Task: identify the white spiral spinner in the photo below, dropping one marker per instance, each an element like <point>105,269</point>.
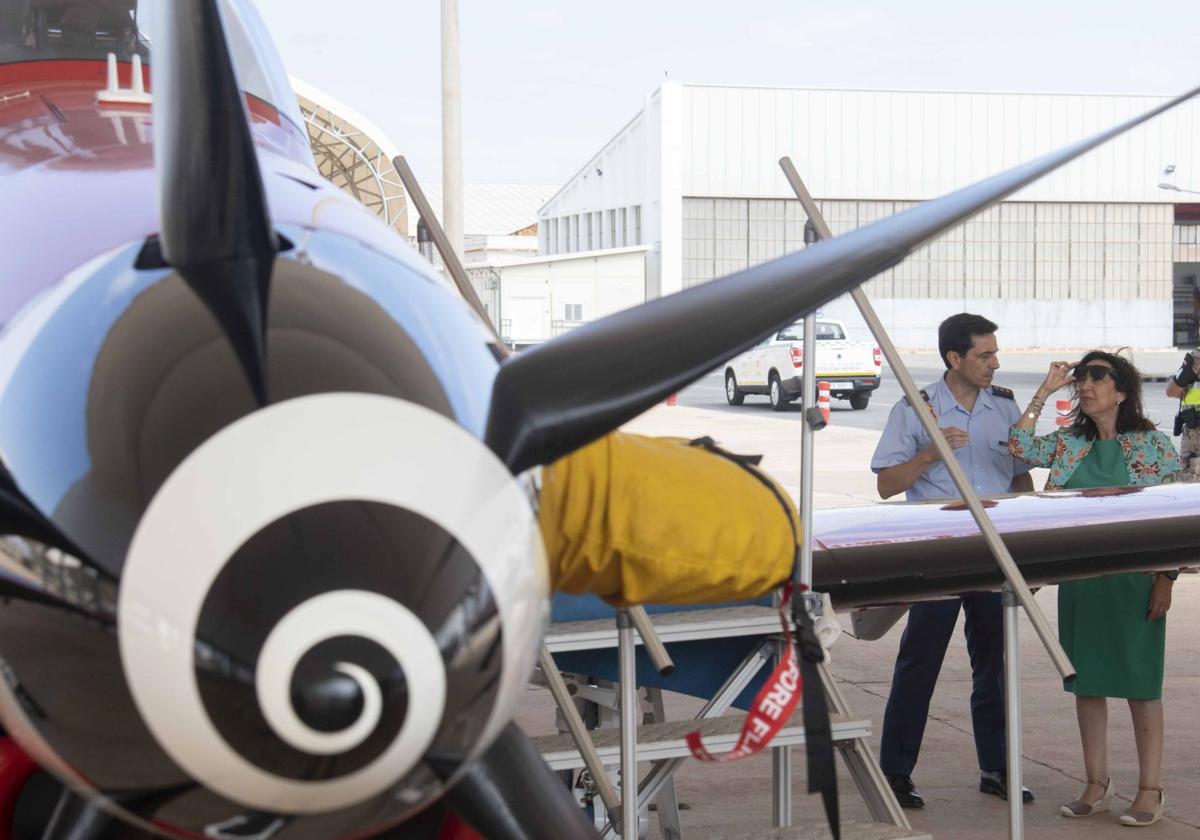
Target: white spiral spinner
<point>286,457</point>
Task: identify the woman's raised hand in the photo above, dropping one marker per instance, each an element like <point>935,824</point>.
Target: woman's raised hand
<point>1060,374</point>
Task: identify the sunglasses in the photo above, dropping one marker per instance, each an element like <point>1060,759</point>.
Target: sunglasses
<point>1096,372</point>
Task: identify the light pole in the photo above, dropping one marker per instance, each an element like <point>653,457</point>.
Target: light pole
<point>452,163</point>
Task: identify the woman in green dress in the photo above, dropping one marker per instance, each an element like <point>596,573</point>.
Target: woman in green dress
<point>1112,627</point>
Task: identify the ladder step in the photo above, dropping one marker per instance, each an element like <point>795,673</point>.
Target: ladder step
<point>686,626</point>
<point>850,831</point>
<point>657,741</point>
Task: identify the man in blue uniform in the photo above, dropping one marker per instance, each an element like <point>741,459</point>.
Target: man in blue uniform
<point>974,415</point>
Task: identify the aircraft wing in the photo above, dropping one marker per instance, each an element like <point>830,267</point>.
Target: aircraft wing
<point>900,552</point>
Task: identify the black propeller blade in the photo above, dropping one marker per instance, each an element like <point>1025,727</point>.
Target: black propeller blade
<point>554,398</point>
<point>510,794</point>
<point>216,230</point>
<point>19,517</point>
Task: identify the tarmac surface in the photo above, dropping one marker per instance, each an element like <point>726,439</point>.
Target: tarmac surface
<point>735,799</point>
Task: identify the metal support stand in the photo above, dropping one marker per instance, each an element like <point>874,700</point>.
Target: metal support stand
<point>667,800</point>
<point>446,248</point>
<point>781,757</point>
<point>629,721</point>
<point>575,724</point>
<point>663,771</point>
<point>781,790</point>
<point>1015,592</point>
<point>990,535</point>
<point>655,649</point>
<point>1012,711</point>
<point>861,762</point>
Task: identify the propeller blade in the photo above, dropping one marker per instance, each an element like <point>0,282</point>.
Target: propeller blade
<point>510,794</point>
<point>215,227</point>
<point>19,517</point>
<point>556,397</point>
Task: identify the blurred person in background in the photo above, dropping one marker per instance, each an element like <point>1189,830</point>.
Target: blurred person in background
<point>1185,386</point>
<point>1113,627</point>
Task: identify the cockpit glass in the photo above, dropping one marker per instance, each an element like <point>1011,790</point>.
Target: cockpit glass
<point>259,68</point>
<point>43,30</point>
<point>33,30</point>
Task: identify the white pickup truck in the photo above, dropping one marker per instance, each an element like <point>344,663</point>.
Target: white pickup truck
<point>773,366</point>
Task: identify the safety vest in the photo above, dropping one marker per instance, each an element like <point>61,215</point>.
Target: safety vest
<point>1192,397</point>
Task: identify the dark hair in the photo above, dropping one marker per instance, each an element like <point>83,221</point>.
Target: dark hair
<point>1129,413</point>
<point>957,334</point>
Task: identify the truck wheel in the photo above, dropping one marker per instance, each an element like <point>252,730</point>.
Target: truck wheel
<point>778,401</point>
<point>859,401</point>
<point>733,393</point>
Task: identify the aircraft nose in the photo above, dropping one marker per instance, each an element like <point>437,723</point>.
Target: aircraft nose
<point>330,702</point>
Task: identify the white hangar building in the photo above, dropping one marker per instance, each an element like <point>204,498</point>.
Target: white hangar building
<point>1102,252</point>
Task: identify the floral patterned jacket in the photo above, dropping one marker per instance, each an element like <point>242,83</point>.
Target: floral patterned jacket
<point>1149,456</point>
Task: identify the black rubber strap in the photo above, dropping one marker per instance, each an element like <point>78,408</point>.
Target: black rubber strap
<point>818,734</point>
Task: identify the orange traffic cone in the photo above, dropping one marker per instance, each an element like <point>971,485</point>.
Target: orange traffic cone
<point>823,400</point>
<point>1063,408</point>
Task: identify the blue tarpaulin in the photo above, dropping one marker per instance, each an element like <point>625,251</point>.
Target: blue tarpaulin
<point>701,667</point>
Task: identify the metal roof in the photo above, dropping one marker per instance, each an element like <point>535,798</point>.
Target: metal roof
<point>353,154</point>
<point>496,209</point>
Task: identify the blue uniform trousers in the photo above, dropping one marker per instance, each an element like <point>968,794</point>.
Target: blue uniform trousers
<point>922,649</point>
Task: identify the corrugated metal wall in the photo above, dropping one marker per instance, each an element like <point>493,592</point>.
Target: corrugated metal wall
<point>1019,250</point>
<point>915,145</point>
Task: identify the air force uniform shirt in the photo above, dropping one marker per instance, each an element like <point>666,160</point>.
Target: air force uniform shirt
<point>985,459</point>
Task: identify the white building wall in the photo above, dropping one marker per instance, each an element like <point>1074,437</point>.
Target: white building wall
<point>918,145</point>
<point>534,294</point>
<point>1052,273</point>
<point>1080,257</point>
<point>494,250</point>
<point>624,174</point>
<point>667,237</point>
<point>1023,323</point>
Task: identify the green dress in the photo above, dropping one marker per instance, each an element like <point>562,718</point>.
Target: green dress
<point>1102,621</point>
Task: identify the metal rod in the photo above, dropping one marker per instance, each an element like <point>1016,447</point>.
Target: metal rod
<point>579,733</point>
<point>650,640</point>
<point>667,801</point>
<point>1012,711</point>
<point>808,395</point>
<point>662,771</point>
<point>781,757</point>
<point>626,666</point>
<point>781,787</point>
<point>454,266</point>
<point>452,155</point>
<point>990,535</point>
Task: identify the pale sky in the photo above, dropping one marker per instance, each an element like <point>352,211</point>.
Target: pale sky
<point>546,85</point>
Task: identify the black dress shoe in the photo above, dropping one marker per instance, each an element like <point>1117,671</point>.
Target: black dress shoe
<point>906,791</point>
<point>995,782</point>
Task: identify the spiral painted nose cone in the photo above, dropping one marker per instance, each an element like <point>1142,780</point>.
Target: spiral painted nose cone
<point>328,704</point>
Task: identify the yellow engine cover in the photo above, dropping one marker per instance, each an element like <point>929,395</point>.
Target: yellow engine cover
<point>637,520</point>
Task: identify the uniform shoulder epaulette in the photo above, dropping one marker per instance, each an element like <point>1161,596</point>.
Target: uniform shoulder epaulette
<point>925,396</point>
<point>1003,392</point>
